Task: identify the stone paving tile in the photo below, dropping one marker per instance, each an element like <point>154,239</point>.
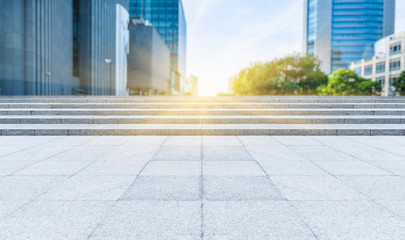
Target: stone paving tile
<point>54,220</point>
<point>355,168</point>
<point>253,220</point>
<point>154,220</point>
<point>360,220</point>
<point>26,187</point>
<point>69,141</point>
<point>89,188</point>
<point>107,141</point>
<point>399,150</point>
<point>11,167</point>
<point>376,141</point>
<point>232,168</point>
<point>8,207</point>
<point>6,150</point>
<point>335,141</point>
<point>397,207</point>
<point>31,140</point>
<point>34,154</point>
<point>130,153</point>
<point>53,168</point>
<point>397,168</point>
<point>274,153</point>
<point>280,168</point>
<point>306,188</point>
<point>221,141</point>
<point>368,153</point>
<point>259,141</point>
<point>226,153</point>
<point>237,199</point>
<point>172,168</point>
<point>164,188</point>
<point>296,141</point>
<point>178,153</point>
<point>183,140</point>
<point>145,140</point>
<point>321,153</point>
<point>238,188</point>
<point>397,139</point>
<point>113,168</point>
<point>378,187</point>
<point>83,153</point>
<point>10,140</point>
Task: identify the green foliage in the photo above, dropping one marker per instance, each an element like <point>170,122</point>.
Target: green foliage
<point>399,84</point>
<point>347,82</point>
<point>297,75</point>
<point>286,76</point>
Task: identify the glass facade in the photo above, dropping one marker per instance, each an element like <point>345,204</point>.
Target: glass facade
<point>311,26</point>
<point>356,26</point>
<point>167,17</point>
<point>343,31</point>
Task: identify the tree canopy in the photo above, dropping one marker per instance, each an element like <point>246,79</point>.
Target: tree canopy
<point>347,82</point>
<point>286,76</point>
<point>399,84</point>
<point>299,75</point>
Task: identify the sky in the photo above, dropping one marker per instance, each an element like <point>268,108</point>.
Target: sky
<point>225,36</point>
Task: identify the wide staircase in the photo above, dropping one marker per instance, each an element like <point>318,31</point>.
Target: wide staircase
<point>202,116</point>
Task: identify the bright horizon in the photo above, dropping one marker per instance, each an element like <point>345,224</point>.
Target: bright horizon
<point>225,36</point>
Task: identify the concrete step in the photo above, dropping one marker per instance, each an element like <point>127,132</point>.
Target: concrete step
<point>202,119</point>
<point>256,99</point>
<point>202,112</point>
<point>204,129</point>
<point>53,105</point>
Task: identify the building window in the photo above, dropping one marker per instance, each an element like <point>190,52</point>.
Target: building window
<point>381,80</point>
<point>395,65</point>
<point>392,79</point>
<point>380,67</point>
<point>395,49</point>
<point>368,70</point>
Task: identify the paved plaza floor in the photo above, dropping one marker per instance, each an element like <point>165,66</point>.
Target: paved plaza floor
<point>160,187</point>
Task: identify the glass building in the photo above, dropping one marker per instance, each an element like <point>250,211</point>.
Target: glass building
<point>50,47</point>
<point>167,17</point>
<point>343,31</point>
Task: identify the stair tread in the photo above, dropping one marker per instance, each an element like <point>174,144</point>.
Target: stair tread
<point>203,126</point>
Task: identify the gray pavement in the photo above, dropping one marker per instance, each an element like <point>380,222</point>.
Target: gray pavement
<point>194,187</point>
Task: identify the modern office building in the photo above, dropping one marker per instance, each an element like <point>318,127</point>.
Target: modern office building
<point>343,31</point>
<point>168,19</point>
<point>36,41</point>
<point>148,61</point>
<point>102,66</point>
<point>63,47</point>
<point>387,63</point>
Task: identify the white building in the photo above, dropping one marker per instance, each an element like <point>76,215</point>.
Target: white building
<point>386,65</point>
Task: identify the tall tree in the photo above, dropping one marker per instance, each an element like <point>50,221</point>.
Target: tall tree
<point>399,84</point>
<point>347,82</point>
<point>285,76</point>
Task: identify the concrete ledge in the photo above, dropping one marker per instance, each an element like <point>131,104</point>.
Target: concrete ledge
<point>209,129</point>
<point>203,120</point>
<point>200,112</point>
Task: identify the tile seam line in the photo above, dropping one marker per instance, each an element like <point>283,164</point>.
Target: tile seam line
<point>290,203</point>
<point>360,192</point>
<point>32,200</point>
<point>108,212</point>
<point>202,187</point>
